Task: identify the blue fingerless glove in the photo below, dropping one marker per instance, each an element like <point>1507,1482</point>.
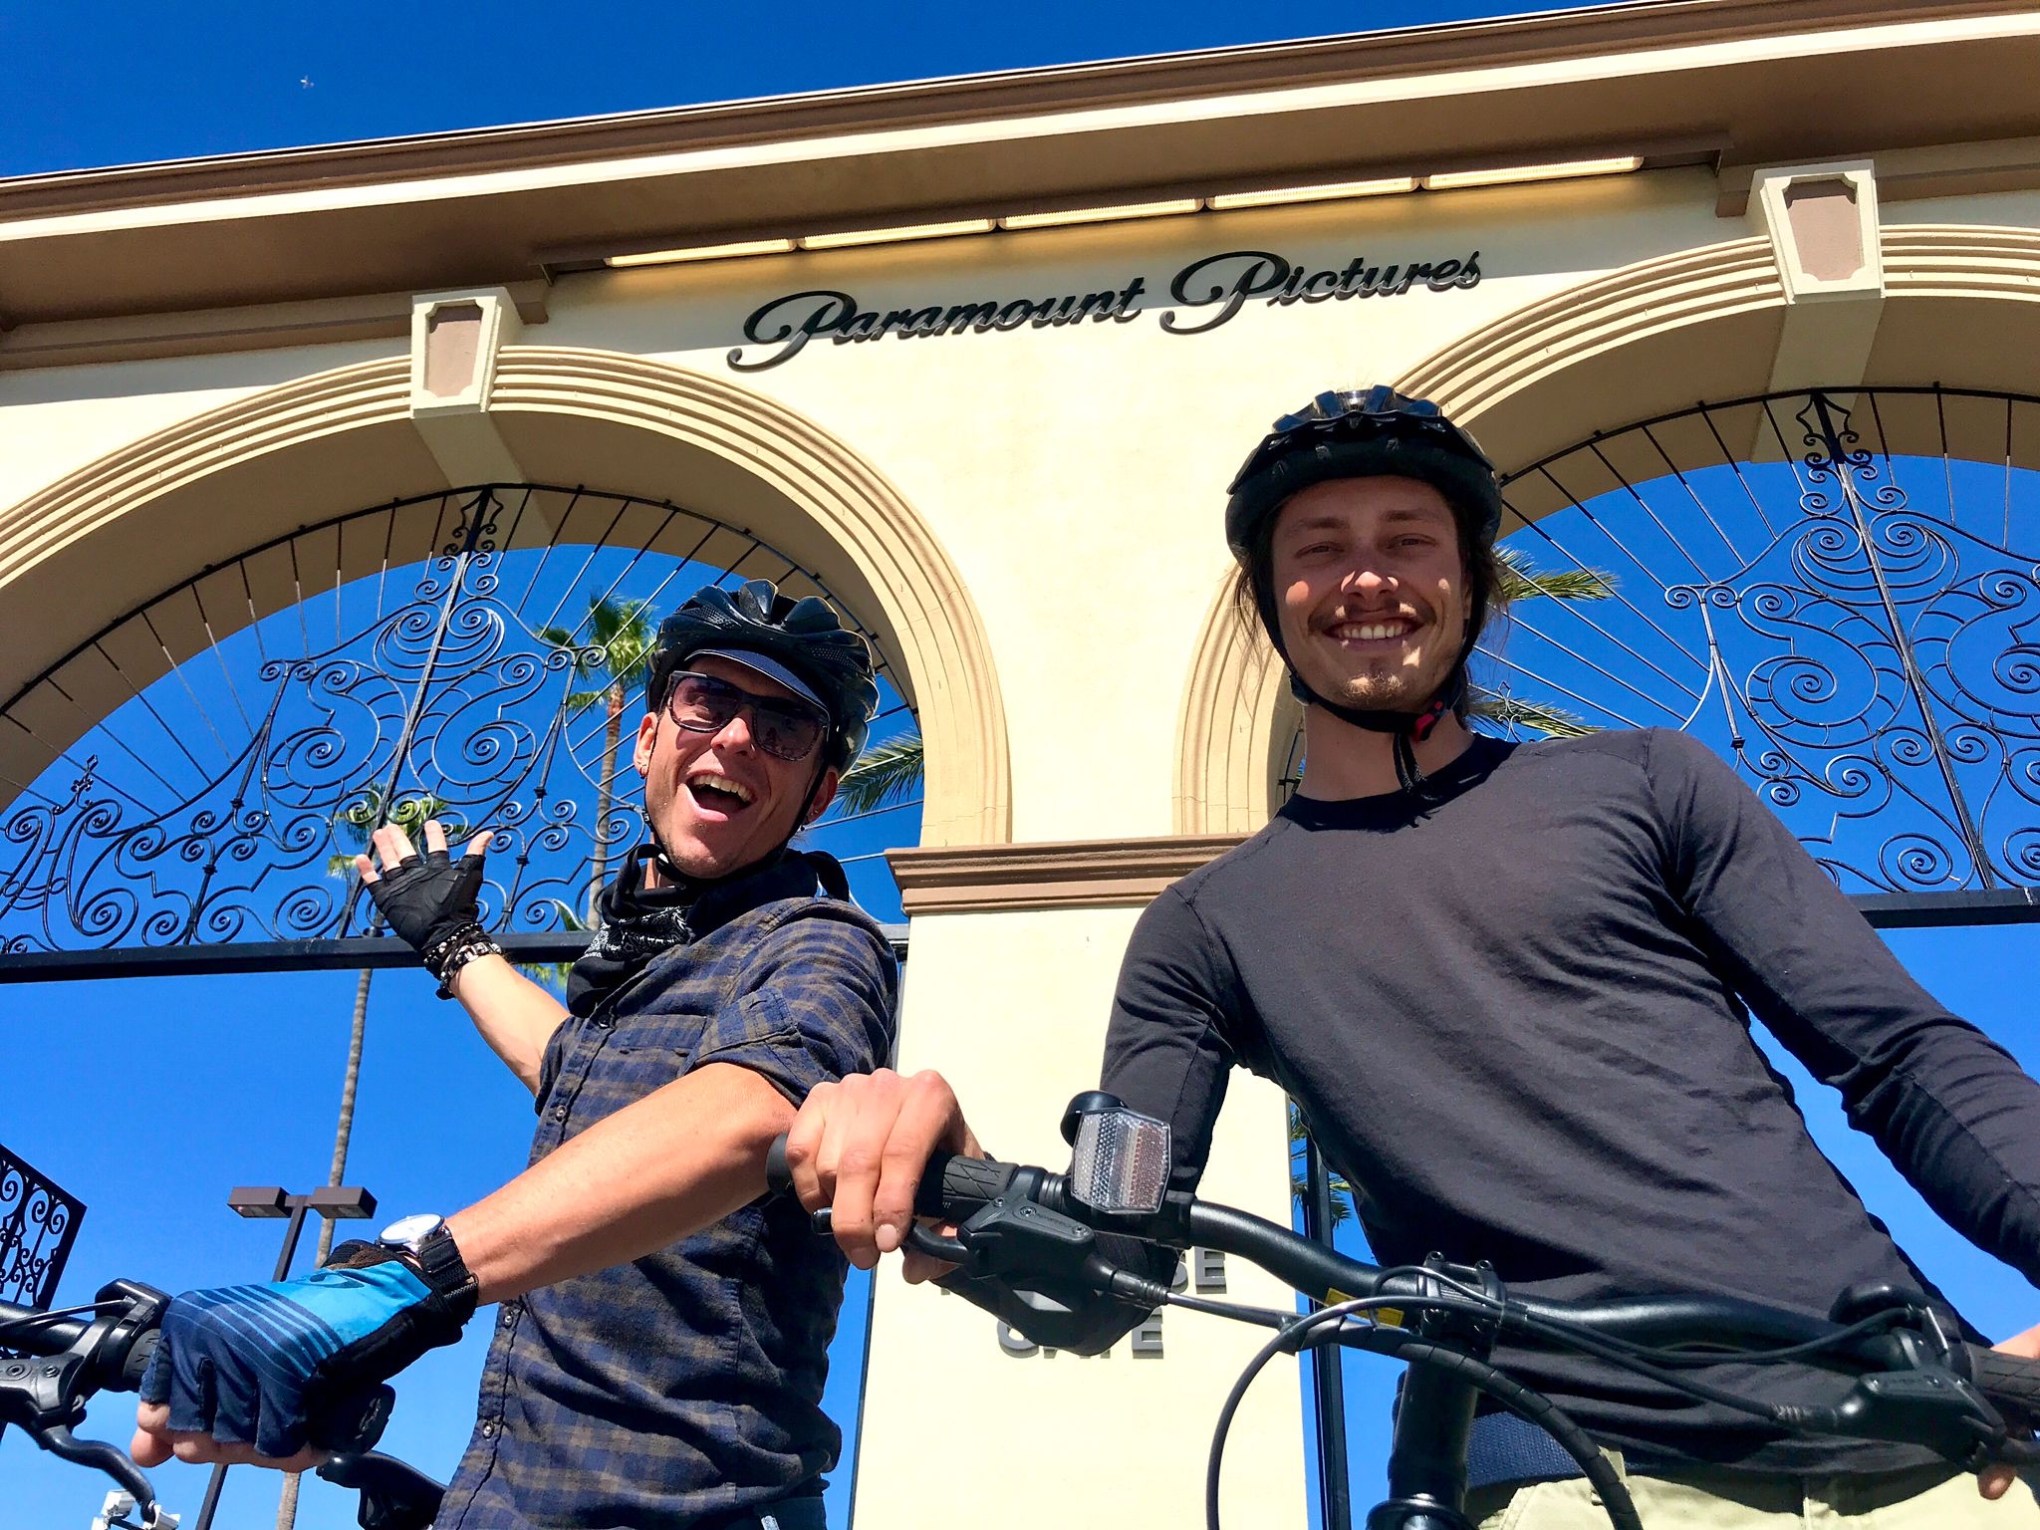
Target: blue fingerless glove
<point>265,1365</point>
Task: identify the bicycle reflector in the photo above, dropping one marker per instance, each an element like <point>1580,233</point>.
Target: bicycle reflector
<point>1120,1158</point>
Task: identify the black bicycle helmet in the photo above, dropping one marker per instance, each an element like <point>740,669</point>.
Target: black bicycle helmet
<point>803,635</point>
<point>1365,433</point>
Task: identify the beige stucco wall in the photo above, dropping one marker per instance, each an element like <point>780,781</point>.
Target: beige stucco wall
<point>1076,475</point>
<point>1012,1008</point>
<point>57,420</point>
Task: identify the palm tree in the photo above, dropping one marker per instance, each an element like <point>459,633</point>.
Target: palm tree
<point>1299,1189</point>
<point>355,823</point>
<point>618,648</point>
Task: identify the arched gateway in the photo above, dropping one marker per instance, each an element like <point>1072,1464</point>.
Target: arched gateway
<point>458,648</point>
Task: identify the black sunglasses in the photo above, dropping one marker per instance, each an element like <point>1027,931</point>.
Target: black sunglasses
<point>786,730</point>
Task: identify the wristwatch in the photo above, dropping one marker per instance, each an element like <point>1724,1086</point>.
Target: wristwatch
<point>429,1242</point>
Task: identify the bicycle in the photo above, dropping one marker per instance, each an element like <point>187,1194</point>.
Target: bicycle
<point>1032,1235</point>
<point>67,1354</point>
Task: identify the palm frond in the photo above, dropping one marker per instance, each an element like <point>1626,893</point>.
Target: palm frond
<point>1522,582</point>
<point>883,773</point>
<point>1515,712</point>
<point>1299,1187</point>
<point>1342,1196</point>
<point>356,822</point>
<point>619,642</point>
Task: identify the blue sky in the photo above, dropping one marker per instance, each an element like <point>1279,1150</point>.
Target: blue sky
<point>99,84</point>
<point>150,1099</point>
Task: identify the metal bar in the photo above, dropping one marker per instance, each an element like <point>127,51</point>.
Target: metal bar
<point>1335,1486</point>
<point>344,955</point>
<point>1910,390</point>
<point>218,1480</point>
<point>1516,621</point>
<point>1843,469</point>
<point>1735,467</point>
<point>211,1504</point>
<point>1943,911</point>
<point>1650,510</point>
<point>1883,911</point>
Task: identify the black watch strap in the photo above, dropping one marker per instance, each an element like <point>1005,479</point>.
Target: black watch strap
<point>437,1259</point>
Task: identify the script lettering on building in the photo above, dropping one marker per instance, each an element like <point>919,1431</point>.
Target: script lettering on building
<point>1206,294</point>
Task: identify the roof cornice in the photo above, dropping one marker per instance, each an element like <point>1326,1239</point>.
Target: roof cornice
<point>1746,81</point>
<point>1630,27</point>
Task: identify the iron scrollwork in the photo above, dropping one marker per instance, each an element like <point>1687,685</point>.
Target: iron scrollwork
<point>1890,678</point>
<point>38,1225</point>
<point>460,701</point>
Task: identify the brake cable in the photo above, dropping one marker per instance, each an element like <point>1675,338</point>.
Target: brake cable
<point>1328,1325</point>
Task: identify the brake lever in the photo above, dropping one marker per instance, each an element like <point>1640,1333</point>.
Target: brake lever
<point>58,1440</point>
<point>921,1238</point>
<point>394,1494</point>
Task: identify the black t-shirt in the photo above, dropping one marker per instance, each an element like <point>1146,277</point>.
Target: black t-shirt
<point>1517,1020</point>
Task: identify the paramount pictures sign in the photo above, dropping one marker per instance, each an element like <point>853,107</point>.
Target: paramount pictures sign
<point>1204,295</point>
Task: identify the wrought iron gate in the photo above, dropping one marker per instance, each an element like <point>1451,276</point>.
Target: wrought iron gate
<point>186,789</point>
<point>38,1224</point>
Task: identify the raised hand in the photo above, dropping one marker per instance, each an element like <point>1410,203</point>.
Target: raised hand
<point>424,899</point>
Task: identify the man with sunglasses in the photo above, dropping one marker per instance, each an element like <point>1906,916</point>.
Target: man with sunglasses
<point>1511,988</point>
<point>661,1345</point>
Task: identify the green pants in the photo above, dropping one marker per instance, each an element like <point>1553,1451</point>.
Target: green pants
<point>1927,1499</point>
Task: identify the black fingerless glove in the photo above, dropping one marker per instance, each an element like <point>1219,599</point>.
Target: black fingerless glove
<point>433,902</point>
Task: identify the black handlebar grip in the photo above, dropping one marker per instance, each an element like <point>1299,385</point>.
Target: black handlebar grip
<point>953,1187</point>
<point>139,1354</point>
<point>2010,1381</point>
<point>778,1177</point>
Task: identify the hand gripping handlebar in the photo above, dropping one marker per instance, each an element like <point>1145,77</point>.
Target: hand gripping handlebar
<point>952,1189</point>
<point>1914,1383</point>
<point>65,1358</point>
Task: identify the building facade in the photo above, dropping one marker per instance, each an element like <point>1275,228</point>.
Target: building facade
<point>979,356</point>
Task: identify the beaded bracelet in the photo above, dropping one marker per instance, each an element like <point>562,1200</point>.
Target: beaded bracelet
<point>444,958</point>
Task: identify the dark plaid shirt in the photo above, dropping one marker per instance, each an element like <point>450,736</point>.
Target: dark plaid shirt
<point>686,1384</point>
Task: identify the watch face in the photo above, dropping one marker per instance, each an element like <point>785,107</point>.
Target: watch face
<point>409,1232</point>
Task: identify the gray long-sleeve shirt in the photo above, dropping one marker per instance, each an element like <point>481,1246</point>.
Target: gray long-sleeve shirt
<point>1517,1021</point>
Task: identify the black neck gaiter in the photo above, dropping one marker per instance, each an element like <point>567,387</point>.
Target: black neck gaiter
<point>639,922</point>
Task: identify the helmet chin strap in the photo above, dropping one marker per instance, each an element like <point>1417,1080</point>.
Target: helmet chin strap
<point>1408,729</point>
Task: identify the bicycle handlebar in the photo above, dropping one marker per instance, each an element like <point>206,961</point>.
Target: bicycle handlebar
<point>70,1357</point>
<point>1022,1229</point>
